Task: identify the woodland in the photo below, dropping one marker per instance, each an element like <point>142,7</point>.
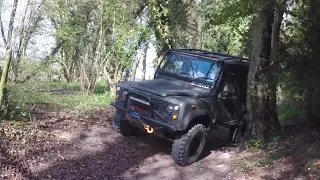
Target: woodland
<point>61,61</point>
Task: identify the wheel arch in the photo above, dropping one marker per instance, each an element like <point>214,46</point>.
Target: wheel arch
<point>203,119</point>
<point>196,117</point>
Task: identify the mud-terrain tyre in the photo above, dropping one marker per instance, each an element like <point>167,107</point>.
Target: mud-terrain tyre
<point>123,127</point>
<point>187,148</point>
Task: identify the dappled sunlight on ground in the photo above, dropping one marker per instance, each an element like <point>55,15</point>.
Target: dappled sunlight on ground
<point>292,158</point>
<point>67,146</point>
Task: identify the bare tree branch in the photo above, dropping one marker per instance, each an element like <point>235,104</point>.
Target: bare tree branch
<point>12,17</point>
<point>54,51</point>
<point>1,25</point>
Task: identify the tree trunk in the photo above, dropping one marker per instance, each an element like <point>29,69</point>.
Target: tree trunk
<point>315,108</point>
<point>114,77</point>
<point>113,83</point>
<point>262,114</point>
<point>66,74</point>
<point>312,38</point>
<point>8,57</point>
<point>4,76</point>
<point>53,51</point>
<point>144,62</point>
<point>275,65</point>
<point>134,70</point>
<point>309,94</point>
<point>312,104</point>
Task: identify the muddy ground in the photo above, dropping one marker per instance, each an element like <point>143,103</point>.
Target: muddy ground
<point>61,145</point>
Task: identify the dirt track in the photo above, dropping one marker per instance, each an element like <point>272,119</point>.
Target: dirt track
<point>98,152</point>
<point>64,146</point>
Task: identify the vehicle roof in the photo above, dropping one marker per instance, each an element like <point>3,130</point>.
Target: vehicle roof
<point>228,59</point>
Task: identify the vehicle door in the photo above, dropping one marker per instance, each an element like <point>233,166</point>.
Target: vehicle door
<point>229,106</point>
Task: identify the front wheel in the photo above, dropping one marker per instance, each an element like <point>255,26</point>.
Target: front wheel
<point>123,127</point>
<point>188,148</point>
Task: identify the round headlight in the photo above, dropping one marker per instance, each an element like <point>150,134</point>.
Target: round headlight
<point>169,109</point>
<point>118,88</point>
<point>124,93</point>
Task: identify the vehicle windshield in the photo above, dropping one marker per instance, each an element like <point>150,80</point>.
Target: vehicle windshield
<point>196,68</point>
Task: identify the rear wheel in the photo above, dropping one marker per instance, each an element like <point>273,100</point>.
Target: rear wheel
<point>188,148</point>
<point>123,127</point>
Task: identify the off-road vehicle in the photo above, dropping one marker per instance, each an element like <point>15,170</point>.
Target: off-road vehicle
<point>192,92</point>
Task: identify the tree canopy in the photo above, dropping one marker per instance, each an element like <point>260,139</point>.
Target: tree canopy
<point>99,40</point>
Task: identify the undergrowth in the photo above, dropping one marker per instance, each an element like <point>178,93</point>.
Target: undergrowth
<point>23,98</point>
<point>291,114</point>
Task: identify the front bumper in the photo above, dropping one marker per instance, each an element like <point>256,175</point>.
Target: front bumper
<point>148,121</point>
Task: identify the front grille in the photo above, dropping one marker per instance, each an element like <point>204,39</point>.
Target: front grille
<point>145,104</point>
<point>156,104</point>
<point>138,101</point>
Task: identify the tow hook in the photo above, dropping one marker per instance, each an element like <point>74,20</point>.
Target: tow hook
<point>149,129</point>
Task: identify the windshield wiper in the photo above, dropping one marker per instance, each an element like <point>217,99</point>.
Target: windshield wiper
<point>184,73</point>
<point>203,78</point>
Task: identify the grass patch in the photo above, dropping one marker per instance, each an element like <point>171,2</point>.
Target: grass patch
<point>53,97</point>
<point>255,144</point>
<point>101,88</point>
<point>57,86</point>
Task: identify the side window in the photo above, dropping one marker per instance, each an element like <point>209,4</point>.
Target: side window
<point>230,85</point>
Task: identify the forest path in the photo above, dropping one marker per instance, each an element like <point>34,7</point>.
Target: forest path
<point>64,146</point>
